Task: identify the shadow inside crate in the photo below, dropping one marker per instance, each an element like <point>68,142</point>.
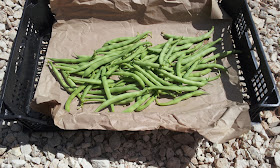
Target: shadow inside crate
<point>158,148</point>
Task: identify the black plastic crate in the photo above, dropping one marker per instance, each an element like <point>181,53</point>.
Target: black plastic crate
<point>30,47</point>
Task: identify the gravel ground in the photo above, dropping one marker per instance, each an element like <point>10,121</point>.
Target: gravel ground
<point>260,147</point>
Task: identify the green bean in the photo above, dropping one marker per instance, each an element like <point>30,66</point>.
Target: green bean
<point>153,65</point>
<point>149,57</point>
<point>208,45</point>
<point>114,90</point>
<point>179,65</point>
<point>143,55</point>
<point>159,79</point>
<point>191,69</point>
<point>90,81</point>
<point>152,60</point>
<point>181,80</point>
<point>182,47</point>
<point>131,57</point>
<point>184,97</point>
<point>125,101</point>
<point>197,79</point>
<point>137,78</point>
<point>68,80</point>
<point>178,54</point>
<point>119,98</point>
<point>67,65</point>
<point>88,88</point>
<point>189,64</point>
<point>137,104</point>
<point>121,44</point>
<point>73,61</point>
<point>122,48</point>
<point>106,87</point>
<point>138,68</point>
<point>117,40</point>
<point>190,39</point>
<point>64,68</point>
<point>144,106</point>
<point>163,51</point>
<point>219,55</point>
<point>94,100</point>
<point>113,69</point>
<point>198,55</point>
<point>166,57</point>
<point>72,96</point>
<point>204,66</point>
<point>98,64</point>
<point>174,88</point>
<point>214,78</point>
<point>154,50</point>
<point>83,56</point>
<point>201,73</point>
<point>60,78</point>
<point>144,79</point>
<point>95,96</point>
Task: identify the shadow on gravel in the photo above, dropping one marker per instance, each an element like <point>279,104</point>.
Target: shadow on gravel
<point>158,148</point>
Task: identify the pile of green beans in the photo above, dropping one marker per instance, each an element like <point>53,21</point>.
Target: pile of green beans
<point>129,70</point>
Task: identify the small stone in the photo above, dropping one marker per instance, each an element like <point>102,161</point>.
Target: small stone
<point>18,14</point>
<point>63,164</point>
<point>273,12</point>
<point>241,163</point>
<point>27,157</point>
<point>2,27</point>
<point>3,45</point>
<point>263,14</point>
<point>84,163</point>
<point>253,163</point>
<point>35,151</point>
<point>188,151</point>
<point>200,158</point>
<point>73,163</point>
<point>218,148</point>
<point>18,163</point>
<point>273,121</point>
<point>184,138</point>
<point>16,151</point>
<point>274,57</point>
<point>173,163</point>
<point>55,141</point>
<point>146,138</point>
<point>115,141</point>
<point>100,163</point>
<point>277,158</point>
<point>3,165</point>
<point>36,160</point>
<point>273,131</point>
<point>26,149</point>
<point>60,156</point>
<point>162,152</point>
<point>258,141</point>
<point>255,153</point>
<point>209,160</point>
<point>194,161</point>
<point>169,153</point>
<point>54,163</point>
<point>95,152</point>
<point>80,152</point>
<point>86,145</point>
<point>270,152</point>
<point>99,138</point>
<point>145,152</point>
<point>2,149</point>
<point>221,163</point>
<point>3,16</point>
<point>267,114</point>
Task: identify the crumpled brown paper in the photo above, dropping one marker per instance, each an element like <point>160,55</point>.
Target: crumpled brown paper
<point>84,25</point>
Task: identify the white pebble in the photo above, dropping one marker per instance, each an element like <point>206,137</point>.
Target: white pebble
<point>2,27</point>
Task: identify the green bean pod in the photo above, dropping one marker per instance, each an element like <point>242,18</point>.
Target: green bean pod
<point>137,104</point>
<point>184,97</point>
<point>119,98</point>
<point>144,106</point>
